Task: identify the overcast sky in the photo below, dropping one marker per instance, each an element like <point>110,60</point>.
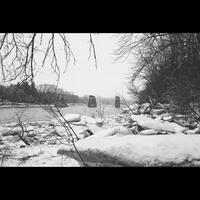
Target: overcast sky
<point>83,78</point>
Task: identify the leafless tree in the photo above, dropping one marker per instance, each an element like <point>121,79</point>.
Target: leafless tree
<point>151,48</point>
<point>19,52</point>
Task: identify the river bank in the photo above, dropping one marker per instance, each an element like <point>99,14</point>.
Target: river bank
<point>133,137</point>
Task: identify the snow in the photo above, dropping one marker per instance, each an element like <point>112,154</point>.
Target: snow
<point>43,156</point>
<point>138,150</point>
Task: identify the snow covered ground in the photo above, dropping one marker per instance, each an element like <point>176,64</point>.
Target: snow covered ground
<point>156,139</point>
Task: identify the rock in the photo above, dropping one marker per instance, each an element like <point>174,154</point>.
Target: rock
<point>51,124</point>
<point>30,128</point>
<point>99,122</point>
<point>1,140</point>
<point>158,111</point>
<point>81,131</point>
<point>189,132</point>
<point>159,106</point>
<point>52,142</point>
<point>11,125</point>
<point>132,109</point>
<point>4,130</point>
<point>149,132</point>
<point>89,132</point>
<point>197,130</point>
<point>149,123</point>
<point>178,116</point>
<point>85,133</point>
<point>9,132</point>
<point>134,130</point>
<point>194,131</point>
<point>127,124</point>
<point>44,126</point>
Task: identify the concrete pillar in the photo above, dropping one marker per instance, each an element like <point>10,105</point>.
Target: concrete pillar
<point>117,102</point>
<point>92,103</point>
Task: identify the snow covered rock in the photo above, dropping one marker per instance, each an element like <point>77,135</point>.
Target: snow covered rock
<point>99,122</point>
<point>80,131</point>
<point>167,118</point>
<point>149,132</point>
<point>11,131</point>
<point>88,120</point>
<point>4,131</point>
<point>72,117</point>
<point>85,133</point>
<point>158,111</point>
<point>117,130</point>
<point>138,150</point>
<point>194,131</point>
<point>158,117</point>
<point>179,116</point>
<point>122,131</point>
<point>149,123</point>
<point>60,131</point>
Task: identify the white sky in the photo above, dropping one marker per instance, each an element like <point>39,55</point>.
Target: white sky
<point>108,80</point>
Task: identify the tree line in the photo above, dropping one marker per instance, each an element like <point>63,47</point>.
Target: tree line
<point>42,94</point>
<point>168,64</point>
<point>26,92</point>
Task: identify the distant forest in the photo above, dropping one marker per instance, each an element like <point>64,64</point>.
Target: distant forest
<point>42,94</point>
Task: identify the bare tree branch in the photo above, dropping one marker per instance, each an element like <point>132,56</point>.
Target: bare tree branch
<point>69,130</point>
<point>19,62</point>
<point>92,49</point>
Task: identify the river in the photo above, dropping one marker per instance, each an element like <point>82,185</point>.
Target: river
<point>9,114</point>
